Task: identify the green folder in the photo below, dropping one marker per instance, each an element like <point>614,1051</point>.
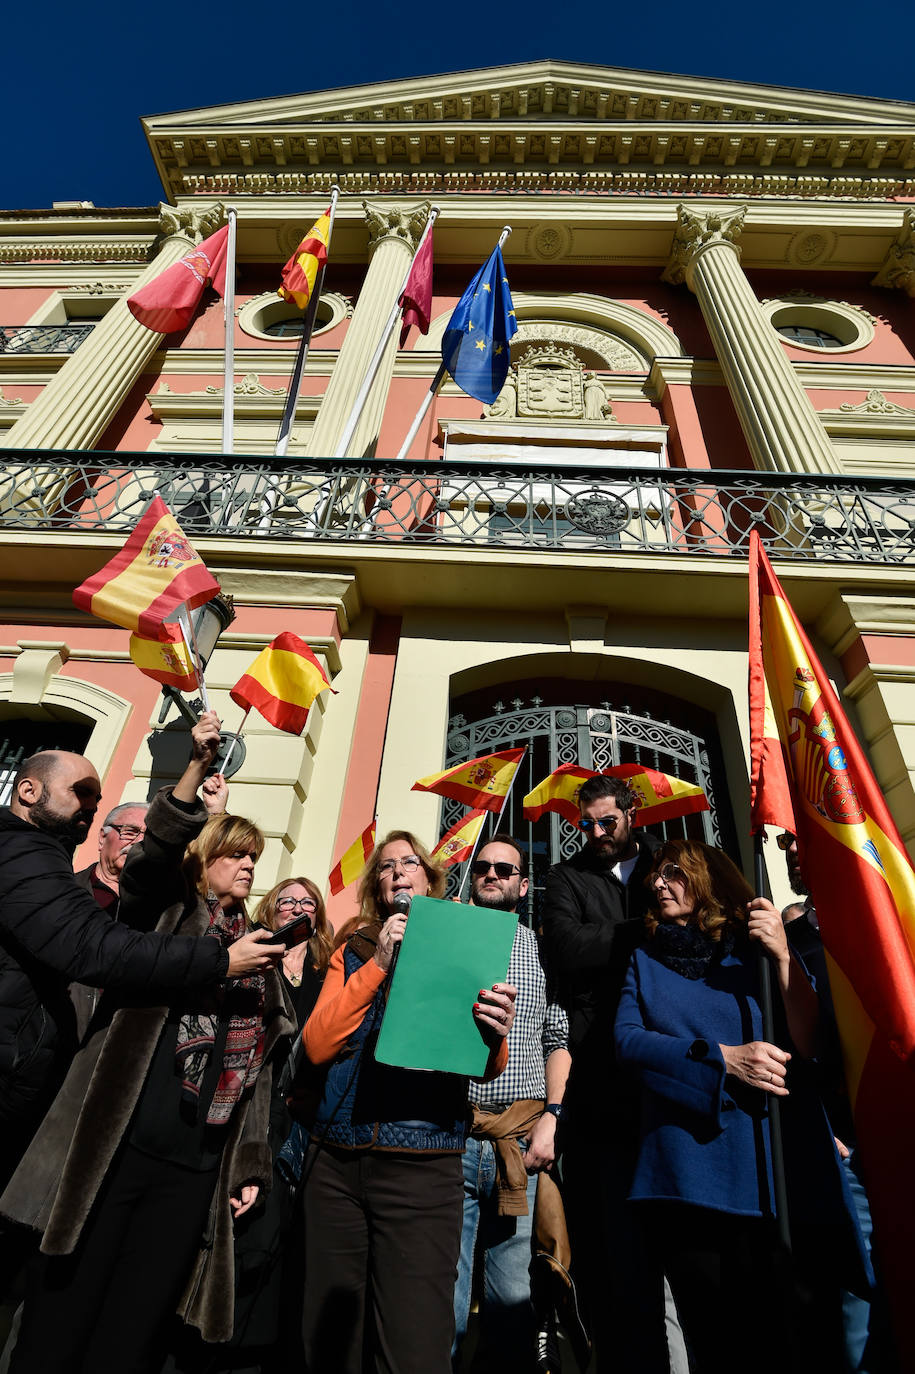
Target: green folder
<point>449,952</point>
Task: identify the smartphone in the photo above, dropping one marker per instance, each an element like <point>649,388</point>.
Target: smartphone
<point>286,936</point>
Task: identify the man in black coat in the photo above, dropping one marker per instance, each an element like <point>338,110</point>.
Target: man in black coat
<point>52,932</point>
<point>593,912</point>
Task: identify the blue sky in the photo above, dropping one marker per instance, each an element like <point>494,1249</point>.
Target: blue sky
<point>73,100</point>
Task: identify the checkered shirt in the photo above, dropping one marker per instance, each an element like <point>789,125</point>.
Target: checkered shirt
<point>541,1026</point>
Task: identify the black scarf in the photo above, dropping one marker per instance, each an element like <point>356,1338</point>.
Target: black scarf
<point>687,949</point>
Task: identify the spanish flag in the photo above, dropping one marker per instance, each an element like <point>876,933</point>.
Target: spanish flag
<point>811,777</point>
<point>483,782</point>
<point>155,571</point>
<point>659,796</point>
<point>281,683</point>
<point>459,840</point>
<point>353,860</point>
<point>301,270</point>
<point>169,661</point>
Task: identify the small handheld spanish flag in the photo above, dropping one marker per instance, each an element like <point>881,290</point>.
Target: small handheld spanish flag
<point>459,840</point>
<point>482,782</point>
<point>150,577</point>
<point>169,662</point>
<point>281,683</point>
<point>301,271</point>
<point>353,860</point>
<point>659,796</point>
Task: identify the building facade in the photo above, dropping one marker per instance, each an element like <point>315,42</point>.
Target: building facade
<point>712,283</point>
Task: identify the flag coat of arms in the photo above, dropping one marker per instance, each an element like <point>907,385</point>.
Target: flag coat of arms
<point>167,661</point>
<point>475,345</point>
<point>150,577</point>
<point>168,302</point>
<point>353,860</point>
<point>459,840</point>
<point>301,271</point>
<point>810,776</point>
<point>480,783</point>
<point>281,683</point>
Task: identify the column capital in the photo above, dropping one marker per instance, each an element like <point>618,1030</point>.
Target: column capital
<point>697,231</point>
<point>392,222</point>
<point>190,222</point>
<point>898,269</point>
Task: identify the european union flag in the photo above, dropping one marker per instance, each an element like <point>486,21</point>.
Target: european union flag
<point>475,346</point>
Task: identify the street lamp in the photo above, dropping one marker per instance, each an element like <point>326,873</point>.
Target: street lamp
<point>209,621</point>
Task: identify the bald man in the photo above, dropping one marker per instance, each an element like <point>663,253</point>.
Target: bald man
<point>52,932</point>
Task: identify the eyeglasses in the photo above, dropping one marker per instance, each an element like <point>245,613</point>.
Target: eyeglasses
<point>671,873</point>
<point>607,823</point>
<point>409,864</point>
<point>785,840</point>
<point>290,904</point>
<point>480,868</point>
<point>126,832</point>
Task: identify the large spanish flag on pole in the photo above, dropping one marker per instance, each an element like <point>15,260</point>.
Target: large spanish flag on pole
<point>482,782</point>
<point>154,573</point>
<point>353,860</point>
<point>810,776</point>
<point>301,271</point>
<point>659,796</point>
<point>460,840</point>
<point>281,683</point>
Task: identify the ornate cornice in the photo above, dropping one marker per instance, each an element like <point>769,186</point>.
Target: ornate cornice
<point>74,250</point>
<point>698,231</point>
<point>898,268</point>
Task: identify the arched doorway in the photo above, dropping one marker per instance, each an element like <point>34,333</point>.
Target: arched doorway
<point>596,725</point>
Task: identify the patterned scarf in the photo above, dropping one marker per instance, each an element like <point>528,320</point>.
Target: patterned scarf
<point>244,1051</point>
<point>687,949</point>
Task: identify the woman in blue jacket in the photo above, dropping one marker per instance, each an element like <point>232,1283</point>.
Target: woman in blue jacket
<point>690,1027</point>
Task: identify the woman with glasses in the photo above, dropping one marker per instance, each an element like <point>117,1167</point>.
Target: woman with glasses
<point>689,1026</point>
<point>383,1183</point>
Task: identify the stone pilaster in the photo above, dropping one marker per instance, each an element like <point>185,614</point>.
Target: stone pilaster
<point>393,238</point>
<point>898,270</point>
<point>79,402</point>
<point>778,421</point>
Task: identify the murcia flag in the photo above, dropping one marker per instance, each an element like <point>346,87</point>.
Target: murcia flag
<point>281,683</point>
<point>459,840</point>
<point>482,782</point>
<point>301,271</point>
<point>168,302</point>
<point>167,661</point>
<point>155,571</point>
<point>353,860</point>
<point>416,297</point>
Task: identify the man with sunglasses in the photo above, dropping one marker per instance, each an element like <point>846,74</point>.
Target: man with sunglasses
<point>593,911</point>
<point>513,1132</point>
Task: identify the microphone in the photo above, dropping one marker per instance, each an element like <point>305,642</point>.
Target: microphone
<point>399,907</point>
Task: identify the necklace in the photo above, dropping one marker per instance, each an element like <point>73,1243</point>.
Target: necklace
<point>295,978</point>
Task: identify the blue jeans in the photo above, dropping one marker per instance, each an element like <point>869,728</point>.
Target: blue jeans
<point>506,1315</point>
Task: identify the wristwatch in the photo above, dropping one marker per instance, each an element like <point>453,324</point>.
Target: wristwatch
<point>554,1109</point>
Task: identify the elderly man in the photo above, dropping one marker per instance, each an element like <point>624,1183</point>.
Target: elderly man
<point>592,920</point>
<point>121,828</point>
<point>514,1123</point>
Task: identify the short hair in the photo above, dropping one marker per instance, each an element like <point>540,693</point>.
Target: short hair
<point>221,835</point>
<point>321,944</point>
<point>503,837</point>
<point>41,767</point>
<point>119,810</point>
<point>799,907</point>
<point>716,885</point>
<point>617,789</point>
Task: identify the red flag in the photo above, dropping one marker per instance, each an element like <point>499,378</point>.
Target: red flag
<point>811,777</point>
<point>281,683</point>
<point>168,302</point>
<point>416,297</point>
<point>482,782</point>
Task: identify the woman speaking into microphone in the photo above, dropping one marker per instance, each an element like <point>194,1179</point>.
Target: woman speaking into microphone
<point>383,1183</point>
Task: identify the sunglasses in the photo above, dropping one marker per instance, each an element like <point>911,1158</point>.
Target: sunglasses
<point>480,868</point>
<point>671,873</point>
<point>785,840</point>
<point>607,823</point>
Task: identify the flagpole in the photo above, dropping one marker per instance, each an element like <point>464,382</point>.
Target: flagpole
<point>476,846</point>
<point>228,758</point>
<point>436,383</point>
<point>372,370</point>
<point>190,639</point>
<point>228,304</point>
<point>768,1029</point>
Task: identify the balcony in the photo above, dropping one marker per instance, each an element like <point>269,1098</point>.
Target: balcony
<point>467,504</point>
<point>43,338</point>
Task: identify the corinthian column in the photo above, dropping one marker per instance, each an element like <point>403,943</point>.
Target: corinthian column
<point>778,421</point>
<point>898,269</point>
<point>393,238</point>
<point>79,402</point>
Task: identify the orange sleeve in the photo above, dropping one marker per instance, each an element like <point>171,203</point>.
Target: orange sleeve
<point>497,1062</point>
<point>340,1008</point>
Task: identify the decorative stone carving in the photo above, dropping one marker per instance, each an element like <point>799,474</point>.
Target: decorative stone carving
<point>191,222</point>
<point>391,222</point>
<point>549,242</point>
<point>251,385</point>
<point>597,407</point>
<point>810,247</point>
<point>549,383</point>
<point>875,403</point>
<point>898,268</point>
<point>615,356</point>
<point>505,406</point>
<point>697,231</point>
<point>9,400</point>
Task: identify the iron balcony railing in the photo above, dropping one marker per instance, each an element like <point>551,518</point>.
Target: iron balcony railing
<point>497,506</point>
<point>43,338</point>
